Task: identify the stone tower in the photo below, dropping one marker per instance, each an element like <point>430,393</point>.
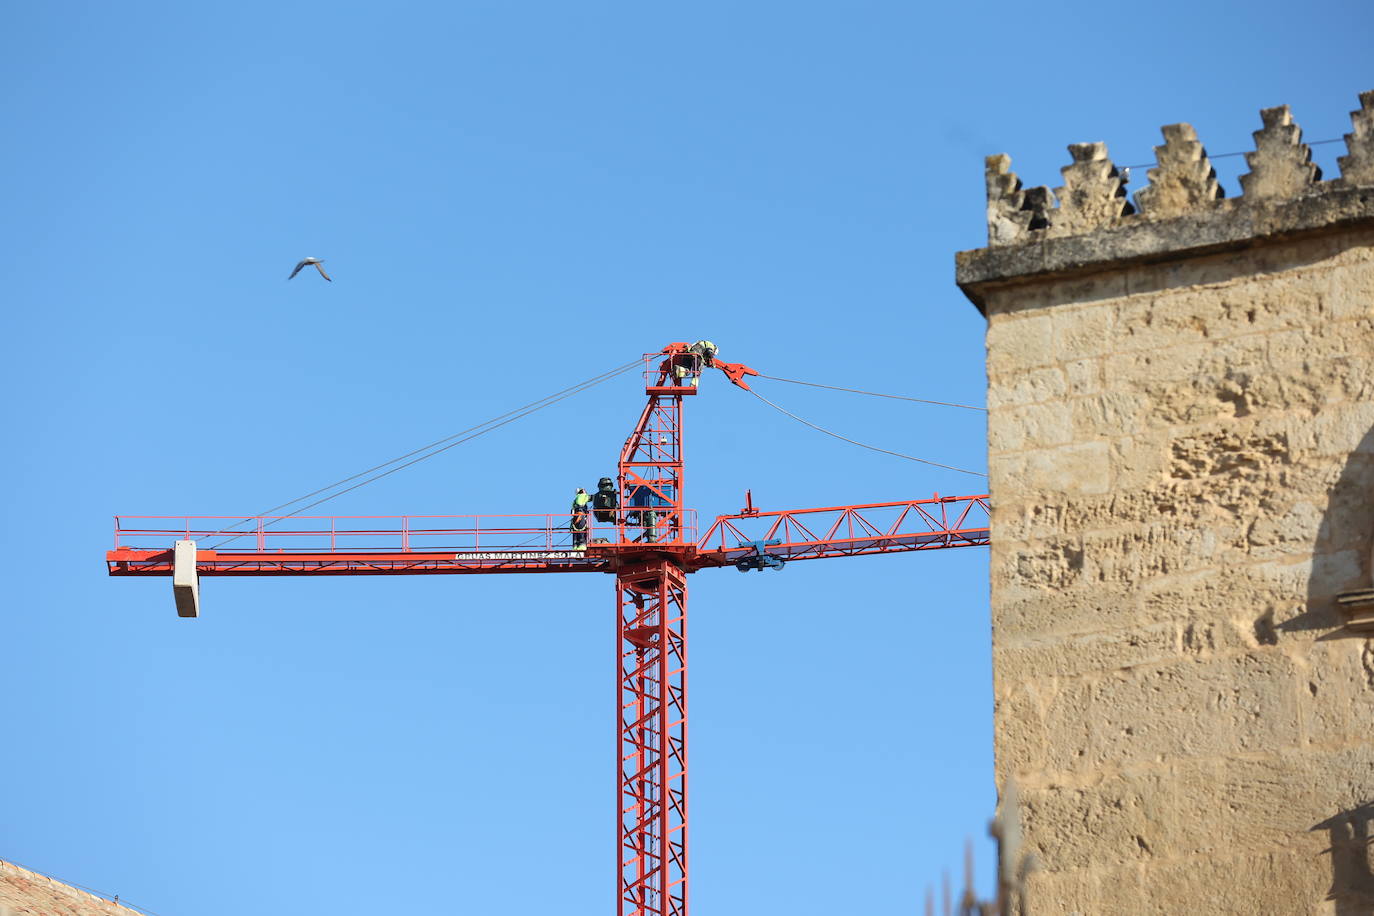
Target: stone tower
<point>1181,456</point>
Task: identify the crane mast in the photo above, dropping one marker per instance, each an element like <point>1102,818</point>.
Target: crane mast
<point>651,632</point>
<point>649,543</point>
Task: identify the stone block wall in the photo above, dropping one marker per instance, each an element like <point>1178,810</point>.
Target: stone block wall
<point>1181,459</point>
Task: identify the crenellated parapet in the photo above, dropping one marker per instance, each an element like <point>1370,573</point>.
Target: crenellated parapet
<point>1183,180</point>
<point>1093,195</point>
<point>1091,221</point>
<point>1281,165</point>
<point>1357,168</point>
<point>1012,212</point>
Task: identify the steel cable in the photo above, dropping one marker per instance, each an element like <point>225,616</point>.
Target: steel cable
<point>1155,162</point>
<point>948,467</point>
<point>479,430</point>
<point>897,397</point>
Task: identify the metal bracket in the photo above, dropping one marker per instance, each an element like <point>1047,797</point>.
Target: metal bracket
<point>760,559</point>
<point>736,372</point>
<point>1358,607</point>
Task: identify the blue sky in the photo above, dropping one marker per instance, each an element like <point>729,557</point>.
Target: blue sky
<point>512,197</point>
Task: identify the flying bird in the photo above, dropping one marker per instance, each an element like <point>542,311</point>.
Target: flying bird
<point>309,262</point>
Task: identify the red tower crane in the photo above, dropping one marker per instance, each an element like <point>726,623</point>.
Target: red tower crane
<point>649,543</point>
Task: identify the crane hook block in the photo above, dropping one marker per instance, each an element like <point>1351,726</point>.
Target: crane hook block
<point>736,372</point>
<point>760,559</point>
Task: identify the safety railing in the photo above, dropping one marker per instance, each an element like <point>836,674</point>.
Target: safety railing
<point>680,369</point>
<point>397,533</point>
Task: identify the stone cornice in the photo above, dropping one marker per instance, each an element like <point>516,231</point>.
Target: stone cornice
<point>1226,226</point>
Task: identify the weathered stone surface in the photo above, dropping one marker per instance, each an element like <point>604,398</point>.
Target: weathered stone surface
<point>1070,655</point>
<point>1202,836</point>
<point>1357,167</point>
<point>1181,430</point>
<point>23,891</point>
<point>1184,179</point>
<point>1199,707</point>
<point>1340,689</point>
<point>1012,212</point>
<point>1034,387</point>
<point>1093,194</point>
<point>1023,750</point>
<point>1281,165</point>
<point>1034,426</point>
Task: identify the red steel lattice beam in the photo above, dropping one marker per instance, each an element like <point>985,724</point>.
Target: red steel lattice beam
<point>652,685</point>
<point>847,531</point>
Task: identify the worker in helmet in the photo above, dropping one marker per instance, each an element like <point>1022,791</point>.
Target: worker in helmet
<point>606,501</point>
<point>706,350</point>
<point>581,508</point>
<point>578,527</point>
<point>581,501</point>
<point>687,368</point>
